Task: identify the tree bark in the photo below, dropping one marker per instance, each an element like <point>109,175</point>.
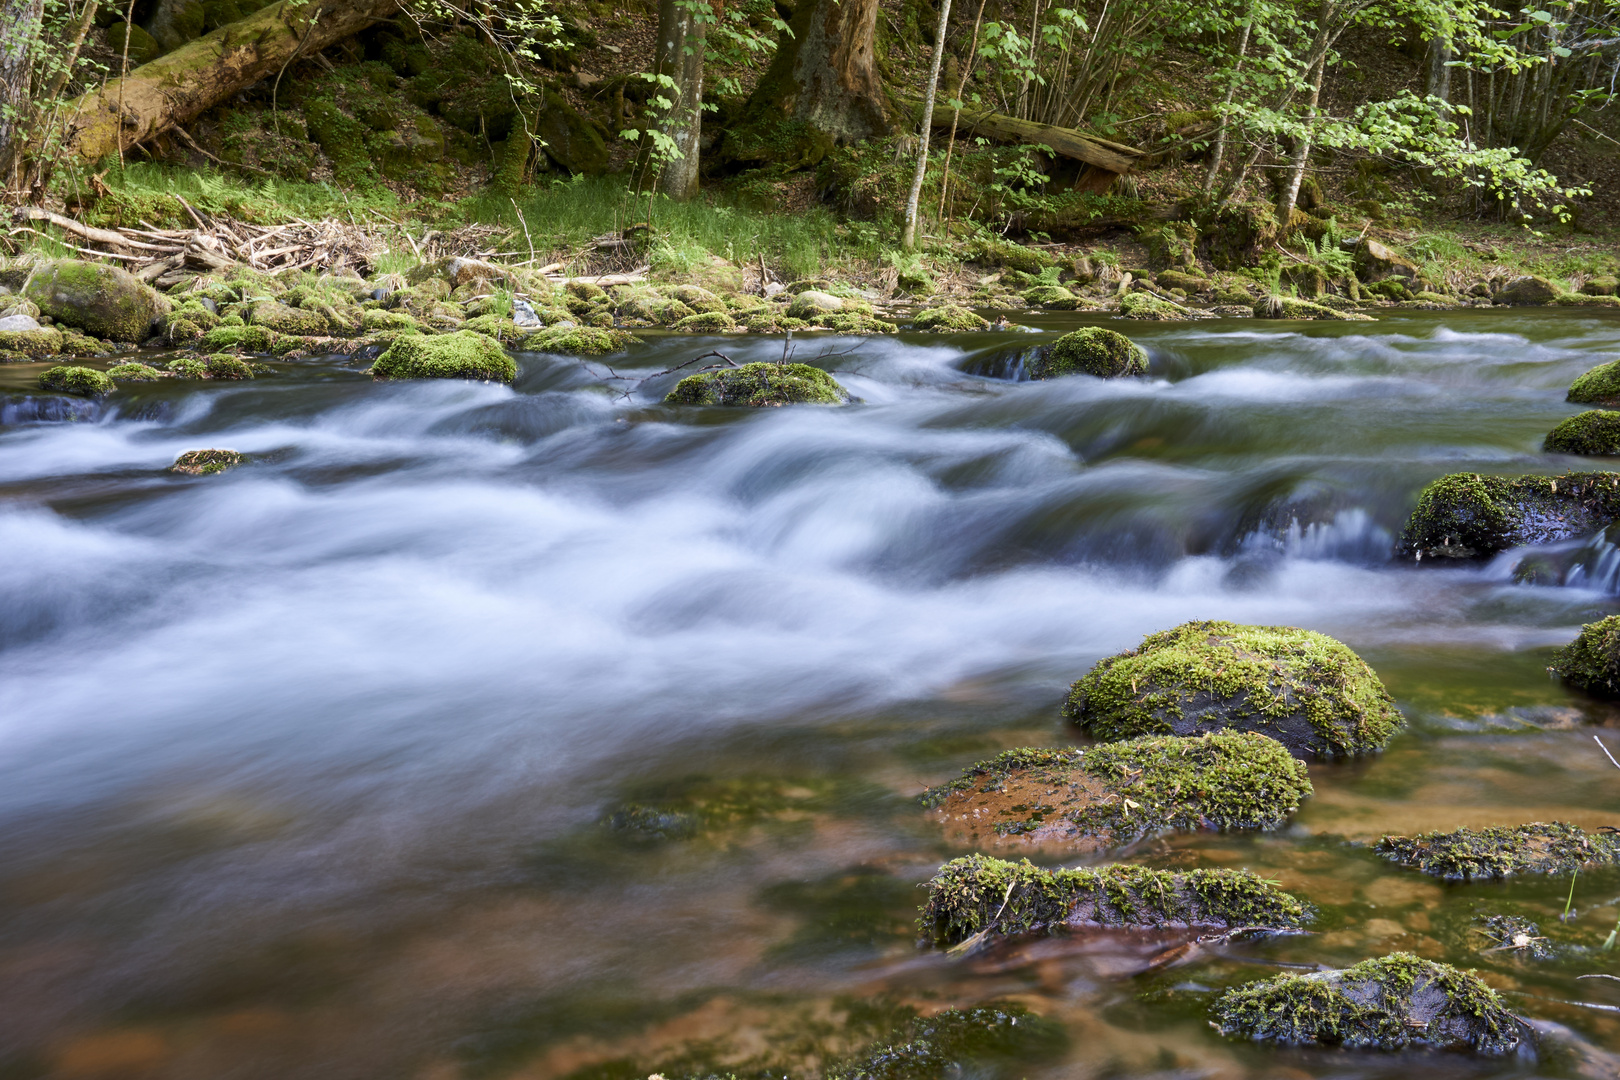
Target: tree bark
<point>1326,34</point>
<point>908,237</point>
<point>825,74</point>
<point>1218,153</point>
<point>1111,157</point>
<point>21,20</point>
<point>175,89</point>
<point>679,55</point>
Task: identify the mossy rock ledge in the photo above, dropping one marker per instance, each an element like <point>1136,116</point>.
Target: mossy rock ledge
<point>461,355</point>
<point>1502,851</point>
<point>759,386</point>
<point>983,895</point>
<point>1600,386</point>
<point>1114,794</point>
<point>1306,690</point>
<point>1389,1003</point>
<point>1092,350</point>
<point>1592,661</point>
<point>1595,432</point>
<point>1474,516</point>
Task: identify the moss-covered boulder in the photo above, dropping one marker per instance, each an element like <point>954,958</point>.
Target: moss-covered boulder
<point>1012,256</point>
<point>1528,291</point>
<point>251,339</point>
<point>461,355</point>
<point>228,367</point>
<point>1304,689</point>
<point>1391,1003</point>
<point>982,895</point>
<point>812,304</point>
<point>949,318</point>
<point>24,342</point>
<point>281,319</point>
<point>1502,851</point>
<point>133,372</point>
<point>578,340</point>
<point>1595,432</point>
<point>1150,308</point>
<point>1375,262</point>
<point>1602,285</point>
<point>1288,307</point>
<point>1050,297</point>
<point>1091,350</point>
<point>759,385</point>
<point>1181,279</point>
<point>1592,661</point>
<point>655,309</point>
<point>1115,794</point>
<point>78,381</point>
<point>698,298</point>
<point>205,462</point>
<point>378,321</point>
<point>1474,516</point>
<point>105,301</point>
<point>709,322</point>
<point>956,1042</point>
<point>1600,386</point>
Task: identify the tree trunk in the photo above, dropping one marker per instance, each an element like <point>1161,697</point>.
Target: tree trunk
<point>1300,158</point>
<point>175,89</point>
<point>1111,157</point>
<point>908,238</point>
<point>824,76</point>
<point>21,20</point>
<point>679,55</point>
<point>1218,153</point>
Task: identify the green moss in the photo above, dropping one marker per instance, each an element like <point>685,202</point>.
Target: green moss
<point>499,327</point>
<point>77,344</point>
<point>1391,1003</point>
<point>1051,297</point>
<point>1308,691</point>
<point>705,805</point>
<point>377,322</point>
<point>955,1042</point>
<point>1602,285</point>
<point>1288,307</point>
<point>949,318</point>
<point>1594,432</point>
<point>1600,386</point>
<point>205,462</point>
<point>698,298</point>
<point>979,894</point>
<point>758,385</point>
<point>1181,279</point>
<point>187,367</point>
<point>281,319</point>
<point>1502,851</point>
<point>856,322</point>
<point>712,322</point>
<point>46,341</point>
<point>101,300</point>
<point>79,381</point>
<point>251,339</point>
<point>1471,515</point>
<point>1012,256</point>
<point>1592,661</point>
<point>1150,308</point>
<point>226,366</point>
<point>578,340</point>
<point>1091,350</point>
<point>1581,300</point>
<point>132,372</point>
<point>462,355</point>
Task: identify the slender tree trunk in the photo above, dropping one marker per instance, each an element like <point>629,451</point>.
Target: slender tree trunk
<point>20,22</point>
<point>1300,158</point>
<point>682,28</point>
<point>1218,152</point>
<point>956,107</point>
<point>1438,82</point>
<point>908,238</point>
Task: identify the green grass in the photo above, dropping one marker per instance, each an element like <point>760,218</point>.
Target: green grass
<point>146,191</point>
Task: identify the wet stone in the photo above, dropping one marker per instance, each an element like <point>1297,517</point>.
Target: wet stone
<point>953,1042</point>
<point>1473,516</point>
<point>1502,851</point>
<point>1592,661</point>
<point>205,462</point>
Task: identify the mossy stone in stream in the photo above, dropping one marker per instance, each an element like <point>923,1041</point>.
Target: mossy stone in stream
<point>378,321</point>
<point>1304,689</point>
<point>1595,432</point>
<point>1147,307</point>
<point>949,318</point>
<point>1502,851</point>
<point>1390,1003</point>
<point>105,301</point>
<point>461,355</point>
<point>578,340</point>
<point>133,372</point>
<point>1592,661</point>
<point>708,322</point>
<point>1600,386</point>
<point>953,1042</point>
<point>1051,297</point>
<point>1091,350</point>
<point>1288,307</point>
<point>253,339</point>
<point>226,366</point>
<point>1473,515</point>
<point>78,381</point>
<point>980,894</point>
<point>759,385</point>
<point>205,462</point>
<point>22,344</point>
<point>1117,793</point>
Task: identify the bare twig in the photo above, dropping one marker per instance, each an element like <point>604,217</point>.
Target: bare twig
<point>1605,750</point>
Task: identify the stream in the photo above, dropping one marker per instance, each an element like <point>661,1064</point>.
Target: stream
<point>321,767</point>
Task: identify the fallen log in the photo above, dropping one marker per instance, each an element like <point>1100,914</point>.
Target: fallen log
<point>177,88</point>
<point>1111,157</point>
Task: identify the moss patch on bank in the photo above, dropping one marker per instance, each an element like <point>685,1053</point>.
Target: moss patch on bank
<point>759,385</point>
<point>1473,515</point>
<point>980,894</point>
<point>1502,851</point>
<point>1304,689</point>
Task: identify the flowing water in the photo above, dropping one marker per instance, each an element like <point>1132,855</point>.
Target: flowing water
<point>313,768</point>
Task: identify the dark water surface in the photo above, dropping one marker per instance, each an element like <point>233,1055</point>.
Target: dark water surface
<point>307,769</point>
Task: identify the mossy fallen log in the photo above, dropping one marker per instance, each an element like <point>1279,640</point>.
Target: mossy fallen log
<point>175,89</point>
<point>1111,157</point>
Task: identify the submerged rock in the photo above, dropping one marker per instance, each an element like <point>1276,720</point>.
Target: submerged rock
<point>1592,661</point>
<point>1110,795</point>
<point>949,318</point>
<point>1515,934</point>
<point>1473,516</point>
<point>758,385</point>
<point>1304,689</point>
<point>1391,1003</point>
<point>205,462</point>
<point>1502,851</point>
<point>1091,350</point>
<point>101,300</point>
<point>981,895</point>
<point>461,355</point>
<point>1595,432</point>
<point>78,381</point>
<point>1600,386</point>
<point>952,1042</point>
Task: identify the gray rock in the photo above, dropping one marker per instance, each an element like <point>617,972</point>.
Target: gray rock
<point>1526,291</point>
<point>104,301</point>
<point>810,303</point>
<point>1375,262</point>
<point>19,322</point>
<point>523,315</point>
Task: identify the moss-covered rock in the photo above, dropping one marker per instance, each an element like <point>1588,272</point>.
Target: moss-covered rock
<point>981,895</point>
<point>1603,285</point>
<point>1376,262</point>
<point>1091,350</point>
<point>377,321</point>
<point>281,319</point>
<point>226,366</point>
<point>655,309</point>
<point>1013,256</point>
<point>949,318</point>
<point>133,372</point>
<point>1529,290</point>
<point>250,339</point>
<point>22,344</point>
<point>1181,279</point>
<point>856,322</point>
<point>78,381</point>
<point>461,355</point>
<point>1150,308</point>
<point>955,1042</point>
<point>1115,794</point>
<point>1502,851</point>
<point>813,304</point>
<point>1473,516</point>
<point>578,340</point>
<point>1583,300</point>
<point>1288,307</point>
<point>698,298</point>
<point>1600,386</point>
<point>1592,661</point>
<point>205,462</point>
<point>102,300</point>
<point>1051,297</point>
<point>759,385</point>
<point>709,322</point>
<point>1304,689</point>
<point>1594,433</point>
<point>188,367</point>
<point>1391,1003</point>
